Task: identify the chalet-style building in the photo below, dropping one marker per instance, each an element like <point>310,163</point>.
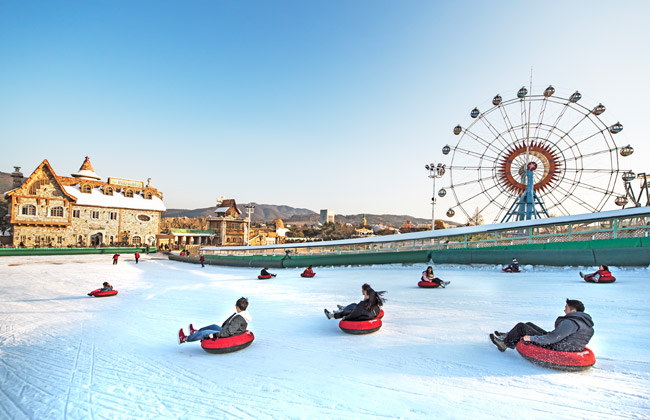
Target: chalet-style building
<point>230,230</point>
<point>47,210</point>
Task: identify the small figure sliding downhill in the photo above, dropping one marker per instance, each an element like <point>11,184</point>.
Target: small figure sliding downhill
<point>512,268</point>
<point>428,280</point>
<point>264,274</point>
<point>602,275</point>
<point>106,290</point>
<point>309,272</point>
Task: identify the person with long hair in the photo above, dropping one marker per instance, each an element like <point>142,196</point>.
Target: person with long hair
<point>365,310</point>
<point>603,271</point>
<point>428,277</point>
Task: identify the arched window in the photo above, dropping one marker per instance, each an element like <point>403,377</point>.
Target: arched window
<point>56,212</point>
<point>147,195</point>
<point>85,188</point>
<point>128,193</point>
<point>136,241</point>
<point>108,191</point>
<point>29,210</point>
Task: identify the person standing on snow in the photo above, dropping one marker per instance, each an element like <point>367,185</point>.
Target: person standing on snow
<point>571,334</point>
<point>137,256</point>
<point>115,257</point>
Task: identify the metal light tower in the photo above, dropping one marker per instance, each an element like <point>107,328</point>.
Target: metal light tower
<point>249,210</point>
<point>435,171</point>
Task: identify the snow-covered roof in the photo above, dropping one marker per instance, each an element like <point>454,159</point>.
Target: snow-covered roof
<point>86,174</point>
<point>222,209</point>
<point>117,200</point>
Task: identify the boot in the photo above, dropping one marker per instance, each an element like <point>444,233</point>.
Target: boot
<point>582,275</point>
<point>500,335</point>
<point>328,314</point>
<point>498,342</point>
<point>340,307</point>
<point>181,336</point>
<point>192,330</point>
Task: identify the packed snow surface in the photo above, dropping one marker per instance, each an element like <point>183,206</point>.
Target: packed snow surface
<point>64,355</point>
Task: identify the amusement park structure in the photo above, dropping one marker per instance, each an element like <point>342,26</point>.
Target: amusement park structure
<point>535,156</point>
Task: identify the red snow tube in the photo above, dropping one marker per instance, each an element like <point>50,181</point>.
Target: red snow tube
<point>602,279</point>
<point>307,274</point>
<point>557,359</point>
<point>360,327</point>
<point>381,314</point>
<point>264,277</point>
<point>428,284</point>
<point>97,293</point>
<point>228,344</point>
<point>507,270</point>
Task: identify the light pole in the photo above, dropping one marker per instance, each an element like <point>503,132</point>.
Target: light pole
<point>249,209</point>
<point>435,171</point>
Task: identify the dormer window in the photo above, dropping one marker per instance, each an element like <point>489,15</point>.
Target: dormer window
<point>108,191</point>
<point>85,188</point>
<point>128,193</point>
<point>147,195</point>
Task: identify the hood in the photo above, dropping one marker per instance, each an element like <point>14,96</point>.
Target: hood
<point>586,318</point>
<point>247,316</point>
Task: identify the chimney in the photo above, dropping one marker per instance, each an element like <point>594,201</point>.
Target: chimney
<point>17,177</point>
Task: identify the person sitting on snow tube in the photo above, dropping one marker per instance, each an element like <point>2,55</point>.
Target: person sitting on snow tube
<point>309,272</point>
<point>512,268</point>
<point>601,275</point>
<point>571,334</point>
<point>264,274</point>
<point>428,277</point>
<point>106,287</point>
<point>235,324</point>
<point>365,310</point>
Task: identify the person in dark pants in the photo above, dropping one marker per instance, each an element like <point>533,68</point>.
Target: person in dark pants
<point>571,334</point>
<point>235,324</point>
<point>365,310</point>
<point>115,257</point>
<point>137,256</point>
<point>202,260</point>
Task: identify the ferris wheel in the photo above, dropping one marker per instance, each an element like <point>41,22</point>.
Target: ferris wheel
<point>534,156</point>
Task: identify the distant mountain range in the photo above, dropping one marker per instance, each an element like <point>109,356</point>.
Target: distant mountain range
<point>269,212</point>
<point>292,215</point>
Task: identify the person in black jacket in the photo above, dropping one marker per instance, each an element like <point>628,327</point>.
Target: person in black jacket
<point>235,324</point>
<point>365,310</point>
<point>571,334</point>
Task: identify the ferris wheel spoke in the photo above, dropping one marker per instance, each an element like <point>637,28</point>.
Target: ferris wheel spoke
<point>587,155</point>
<point>577,124</point>
<point>557,203</point>
<point>591,171</point>
<point>494,131</point>
<point>475,195</point>
<point>557,121</point>
<point>492,159</point>
<point>482,142</point>
<point>506,120</point>
<point>570,196</point>
<point>539,124</point>
<point>462,184</point>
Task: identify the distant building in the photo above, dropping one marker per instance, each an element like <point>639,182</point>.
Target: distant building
<point>47,210</point>
<point>230,230</point>
<point>326,216</point>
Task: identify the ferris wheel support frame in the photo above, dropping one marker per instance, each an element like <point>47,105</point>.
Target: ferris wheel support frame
<point>525,206</point>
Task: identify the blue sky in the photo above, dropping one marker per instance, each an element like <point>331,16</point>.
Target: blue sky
<point>331,104</point>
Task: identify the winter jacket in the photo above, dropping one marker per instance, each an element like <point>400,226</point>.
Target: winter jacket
<point>235,324</point>
<point>105,289</point>
<point>360,313</point>
<point>572,333</point>
<point>603,273</point>
<point>425,277</point>
<point>264,273</point>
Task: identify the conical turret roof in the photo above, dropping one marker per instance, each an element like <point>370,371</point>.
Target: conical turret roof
<point>86,171</point>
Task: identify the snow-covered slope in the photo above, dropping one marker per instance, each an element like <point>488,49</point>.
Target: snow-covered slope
<point>64,355</point>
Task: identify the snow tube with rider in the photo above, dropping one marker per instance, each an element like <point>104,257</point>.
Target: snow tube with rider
<point>307,274</point>
<point>508,270</point>
<point>97,293</point>
<point>553,359</point>
<point>360,327</point>
<point>428,284</point>
<point>228,344</point>
<point>601,279</point>
<point>261,277</point>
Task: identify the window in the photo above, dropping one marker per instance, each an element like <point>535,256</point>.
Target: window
<point>128,193</point>
<point>56,212</point>
<point>147,195</point>
<point>137,241</point>
<point>113,215</point>
<point>86,189</point>
<point>143,217</point>
<point>37,239</point>
<point>76,213</point>
<point>94,214</point>
<point>29,210</point>
<point>59,240</point>
<point>108,191</point>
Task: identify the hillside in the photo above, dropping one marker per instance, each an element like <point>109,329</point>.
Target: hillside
<point>5,182</point>
<point>300,216</point>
